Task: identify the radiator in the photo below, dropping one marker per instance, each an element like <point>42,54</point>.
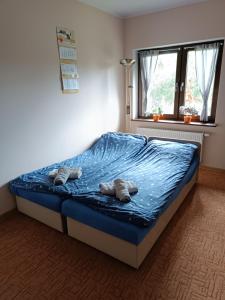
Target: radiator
<point>196,137</point>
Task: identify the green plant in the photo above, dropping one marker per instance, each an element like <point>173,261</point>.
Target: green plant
<point>188,110</point>
<point>157,110</point>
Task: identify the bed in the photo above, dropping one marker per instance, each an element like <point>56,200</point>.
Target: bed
<point>37,197</point>
<point>164,171</point>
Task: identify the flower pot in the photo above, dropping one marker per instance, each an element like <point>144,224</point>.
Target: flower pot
<point>156,117</point>
<point>187,119</point>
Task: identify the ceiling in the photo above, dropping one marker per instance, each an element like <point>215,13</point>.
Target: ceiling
<point>129,8</point>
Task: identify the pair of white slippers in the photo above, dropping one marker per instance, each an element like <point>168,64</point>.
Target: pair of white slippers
<point>120,188</point>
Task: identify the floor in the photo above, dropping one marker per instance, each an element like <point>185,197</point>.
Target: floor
<point>187,262</point>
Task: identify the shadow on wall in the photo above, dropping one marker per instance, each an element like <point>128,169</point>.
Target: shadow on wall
<point>113,107</point>
<point>7,200</point>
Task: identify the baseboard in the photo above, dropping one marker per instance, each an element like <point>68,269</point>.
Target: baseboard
<point>7,200</point>
<point>212,177</point>
<point>212,169</point>
<point>8,214</point>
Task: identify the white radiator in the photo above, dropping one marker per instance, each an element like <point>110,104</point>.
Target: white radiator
<point>196,137</point>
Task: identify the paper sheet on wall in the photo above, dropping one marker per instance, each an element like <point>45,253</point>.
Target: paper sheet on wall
<point>70,84</point>
<point>67,53</point>
<point>69,69</point>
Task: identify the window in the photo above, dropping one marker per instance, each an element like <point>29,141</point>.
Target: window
<point>186,75</point>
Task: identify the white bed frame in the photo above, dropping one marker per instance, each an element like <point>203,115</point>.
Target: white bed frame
<point>40,213</point>
<point>124,251</point>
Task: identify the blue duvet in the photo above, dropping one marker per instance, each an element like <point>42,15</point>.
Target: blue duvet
<point>111,148</point>
<point>157,167</point>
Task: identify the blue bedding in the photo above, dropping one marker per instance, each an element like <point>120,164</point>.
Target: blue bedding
<point>123,230</point>
<point>157,167</point>
<point>110,148</point>
<point>157,170</point>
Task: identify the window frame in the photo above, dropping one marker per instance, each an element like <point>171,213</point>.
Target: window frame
<point>181,71</point>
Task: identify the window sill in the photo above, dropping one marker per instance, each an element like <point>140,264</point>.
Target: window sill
<point>175,122</point>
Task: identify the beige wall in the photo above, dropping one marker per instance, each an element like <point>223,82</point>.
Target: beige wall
<point>186,24</point>
<point>39,125</point>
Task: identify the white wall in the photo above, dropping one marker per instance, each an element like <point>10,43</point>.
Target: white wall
<point>38,124</point>
<point>182,25</point>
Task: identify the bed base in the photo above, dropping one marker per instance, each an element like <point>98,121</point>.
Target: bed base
<point>41,213</point>
<point>124,251</point>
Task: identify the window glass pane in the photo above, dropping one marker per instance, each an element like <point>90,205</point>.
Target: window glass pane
<point>162,90</point>
<point>192,93</point>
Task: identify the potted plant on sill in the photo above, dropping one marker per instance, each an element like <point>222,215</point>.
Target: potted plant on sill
<point>188,112</point>
<point>157,112</point>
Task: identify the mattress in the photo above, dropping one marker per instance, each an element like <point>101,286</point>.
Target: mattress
<point>123,230</point>
<point>51,201</point>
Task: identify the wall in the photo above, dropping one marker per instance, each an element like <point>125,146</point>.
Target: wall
<point>38,124</point>
<point>185,24</point>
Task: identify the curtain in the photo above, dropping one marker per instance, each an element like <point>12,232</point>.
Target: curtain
<point>148,62</point>
<point>205,64</point>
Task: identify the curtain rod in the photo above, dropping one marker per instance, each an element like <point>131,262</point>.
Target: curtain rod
<point>185,46</point>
